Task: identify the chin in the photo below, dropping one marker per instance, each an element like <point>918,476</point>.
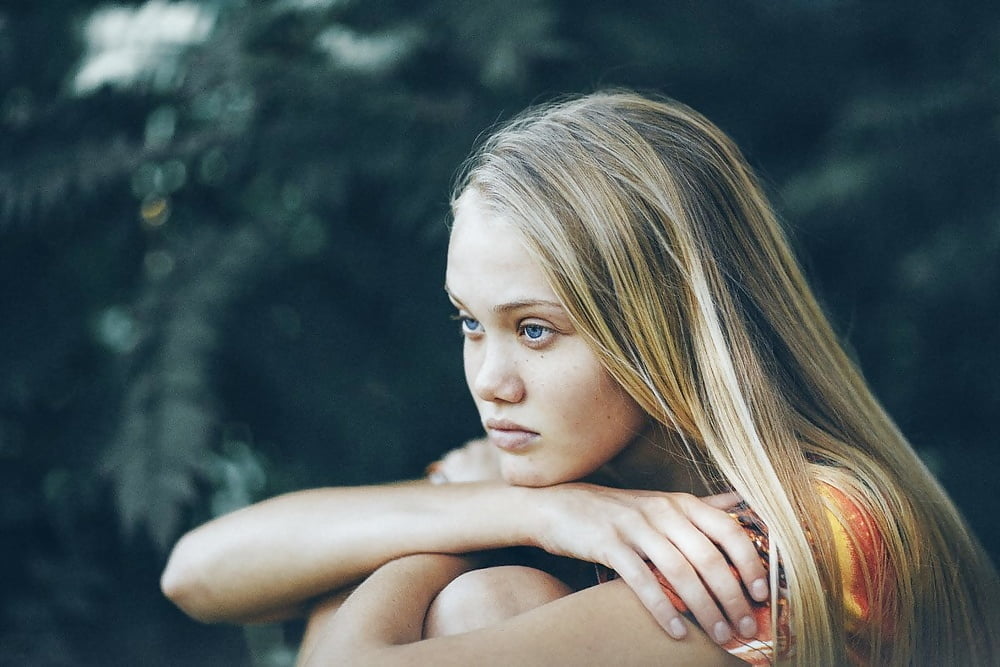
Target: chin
<point>530,478</point>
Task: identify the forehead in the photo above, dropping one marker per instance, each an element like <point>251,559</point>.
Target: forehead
<point>488,258</point>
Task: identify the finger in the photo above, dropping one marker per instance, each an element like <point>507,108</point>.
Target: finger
<point>723,583</point>
<point>636,573</point>
<point>701,577</point>
<point>733,540</point>
<point>723,501</point>
<point>435,474</point>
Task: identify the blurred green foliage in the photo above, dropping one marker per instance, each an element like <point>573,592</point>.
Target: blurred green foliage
<point>222,234</point>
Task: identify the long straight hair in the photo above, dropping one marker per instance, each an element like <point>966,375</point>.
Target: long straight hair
<point>655,234</point>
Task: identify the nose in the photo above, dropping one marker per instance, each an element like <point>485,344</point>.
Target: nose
<point>493,374</point>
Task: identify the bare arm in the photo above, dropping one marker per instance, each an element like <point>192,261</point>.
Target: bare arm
<point>270,561</point>
<point>264,561</point>
<point>382,622</point>
<point>267,560</point>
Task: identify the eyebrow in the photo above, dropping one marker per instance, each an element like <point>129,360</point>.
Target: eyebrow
<point>504,308</point>
<point>511,306</point>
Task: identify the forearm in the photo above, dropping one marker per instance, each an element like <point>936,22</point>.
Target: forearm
<point>279,553</point>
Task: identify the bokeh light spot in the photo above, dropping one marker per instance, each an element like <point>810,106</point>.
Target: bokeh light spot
<point>174,176</point>
<point>160,127</point>
<point>116,330</point>
<point>158,264</point>
<point>155,211</point>
<point>212,167</point>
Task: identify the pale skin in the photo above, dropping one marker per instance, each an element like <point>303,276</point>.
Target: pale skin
<point>552,416</point>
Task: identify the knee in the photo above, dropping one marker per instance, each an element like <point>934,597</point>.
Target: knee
<point>483,597</point>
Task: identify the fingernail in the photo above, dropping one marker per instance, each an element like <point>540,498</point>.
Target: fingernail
<point>677,628</point>
<point>759,590</point>
<point>748,627</point>
<point>721,632</point>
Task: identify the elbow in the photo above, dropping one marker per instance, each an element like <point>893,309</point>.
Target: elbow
<point>185,582</point>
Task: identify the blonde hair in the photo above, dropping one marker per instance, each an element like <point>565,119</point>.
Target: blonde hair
<point>656,236</point>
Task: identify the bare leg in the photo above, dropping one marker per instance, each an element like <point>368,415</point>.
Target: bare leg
<point>480,598</point>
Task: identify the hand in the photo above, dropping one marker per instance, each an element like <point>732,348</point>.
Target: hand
<point>475,461</point>
<point>686,538</point>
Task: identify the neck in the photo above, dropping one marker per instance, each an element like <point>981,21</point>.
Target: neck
<point>656,460</point>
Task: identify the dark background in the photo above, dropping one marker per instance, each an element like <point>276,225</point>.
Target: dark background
<point>222,235</point>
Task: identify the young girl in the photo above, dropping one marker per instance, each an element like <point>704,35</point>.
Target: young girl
<point>633,319</point>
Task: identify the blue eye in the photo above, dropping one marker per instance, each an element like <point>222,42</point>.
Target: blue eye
<point>534,331</point>
<point>470,325</point>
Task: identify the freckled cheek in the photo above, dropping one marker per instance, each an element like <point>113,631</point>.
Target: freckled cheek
<point>613,408</point>
<point>578,399</point>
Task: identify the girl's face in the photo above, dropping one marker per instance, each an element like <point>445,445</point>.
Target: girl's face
<point>549,407</point>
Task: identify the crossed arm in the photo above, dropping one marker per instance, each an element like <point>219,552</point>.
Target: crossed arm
<point>270,561</point>
<point>384,622</point>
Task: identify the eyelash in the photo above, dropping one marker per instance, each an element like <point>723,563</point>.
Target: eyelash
<point>464,324</point>
<point>466,329</point>
<point>542,338</point>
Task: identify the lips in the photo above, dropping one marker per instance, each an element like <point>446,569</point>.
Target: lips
<point>509,436</point>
